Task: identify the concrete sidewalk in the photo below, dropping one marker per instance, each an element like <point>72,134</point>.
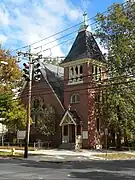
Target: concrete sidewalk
<point>58,155</point>
<point>65,155</point>
<point>82,152</point>
<point>50,152</point>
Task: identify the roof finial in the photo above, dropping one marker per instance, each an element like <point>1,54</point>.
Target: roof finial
<point>85,16</point>
<point>69,107</point>
<point>84,25</point>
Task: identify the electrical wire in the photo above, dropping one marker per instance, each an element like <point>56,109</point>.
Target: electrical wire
<point>94,89</point>
<point>100,73</point>
<point>64,30</point>
<point>63,41</point>
<point>101,87</point>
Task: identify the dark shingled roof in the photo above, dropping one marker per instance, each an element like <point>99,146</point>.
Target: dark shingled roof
<point>56,82</point>
<point>55,78</point>
<point>85,46</point>
<point>75,116</point>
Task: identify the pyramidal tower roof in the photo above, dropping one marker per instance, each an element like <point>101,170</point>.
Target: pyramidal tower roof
<point>84,46</point>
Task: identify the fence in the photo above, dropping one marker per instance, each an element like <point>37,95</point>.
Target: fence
<point>32,146</point>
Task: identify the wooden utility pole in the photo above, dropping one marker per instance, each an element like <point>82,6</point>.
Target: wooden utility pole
<point>28,107</point>
<point>28,78</point>
<point>29,55</point>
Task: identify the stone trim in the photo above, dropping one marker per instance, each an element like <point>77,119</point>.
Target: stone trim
<point>82,61</point>
<point>63,119</point>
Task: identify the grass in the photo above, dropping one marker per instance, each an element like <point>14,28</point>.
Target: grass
<point>9,154</point>
<point>116,156</point>
<point>16,147</point>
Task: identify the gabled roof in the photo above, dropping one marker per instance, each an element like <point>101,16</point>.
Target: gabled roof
<point>54,75</point>
<point>84,46</point>
<point>74,118</point>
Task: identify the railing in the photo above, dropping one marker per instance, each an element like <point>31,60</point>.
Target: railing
<point>32,146</point>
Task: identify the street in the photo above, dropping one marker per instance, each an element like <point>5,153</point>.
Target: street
<point>15,169</point>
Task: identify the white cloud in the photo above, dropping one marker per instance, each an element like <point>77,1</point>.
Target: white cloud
<point>63,7</point>
<point>34,20</point>
<point>85,4</point>
<point>4,16</point>
<point>3,39</point>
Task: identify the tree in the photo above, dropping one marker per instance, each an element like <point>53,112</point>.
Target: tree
<point>46,123</point>
<point>10,73</point>
<point>12,112</point>
<point>117,33</point>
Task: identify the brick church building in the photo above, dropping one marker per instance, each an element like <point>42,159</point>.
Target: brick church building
<point>70,91</point>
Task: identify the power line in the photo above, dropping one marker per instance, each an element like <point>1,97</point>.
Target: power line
<point>109,79</point>
<point>62,38</point>
<point>100,73</point>
<point>92,75</point>
<point>102,88</point>
<point>64,30</point>
<point>98,88</point>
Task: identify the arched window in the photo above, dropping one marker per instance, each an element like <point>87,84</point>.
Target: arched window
<point>93,69</point>
<point>75,74</point>
<point>96,71</point>
<point>72,71</point>
<point>81,69</point>
<point>76,70</point>
<point>81,72</point>
<point>75,98</point>
<point>36,103</point>
<point>100,74</point>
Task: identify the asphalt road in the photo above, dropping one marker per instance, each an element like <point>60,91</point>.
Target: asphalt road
<point>14,169</point>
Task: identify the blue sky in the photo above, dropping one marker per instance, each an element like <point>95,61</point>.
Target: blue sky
<point>23,22</point>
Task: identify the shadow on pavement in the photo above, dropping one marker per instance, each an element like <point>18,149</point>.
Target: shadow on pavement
<point>100,176</point>
<point>103,170</point>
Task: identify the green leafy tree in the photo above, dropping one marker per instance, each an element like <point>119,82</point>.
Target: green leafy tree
<point>117,33</point>
<point>46,123</point>
<point>12,112</point>
<point>10,74</point>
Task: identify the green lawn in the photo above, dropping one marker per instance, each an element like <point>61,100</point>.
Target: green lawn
<point>9,154</point>
<point>116,156</point>
<point>16,147</point>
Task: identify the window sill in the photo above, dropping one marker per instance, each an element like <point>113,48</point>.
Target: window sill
<point>74,83</point>
<point>74,102</point>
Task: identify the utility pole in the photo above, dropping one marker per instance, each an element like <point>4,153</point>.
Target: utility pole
<point>28,77</point>
<point>28,107</point>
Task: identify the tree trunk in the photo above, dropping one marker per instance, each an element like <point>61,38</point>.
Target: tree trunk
<point>125,139</point>
<point>113,139</point>
<point>118,145</point>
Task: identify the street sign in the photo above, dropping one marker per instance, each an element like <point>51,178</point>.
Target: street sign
<point>21,134</point>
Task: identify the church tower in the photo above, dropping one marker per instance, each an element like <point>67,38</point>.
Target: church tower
<point>83,69</point>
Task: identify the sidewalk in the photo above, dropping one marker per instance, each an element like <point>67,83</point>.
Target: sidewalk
<point>58,155</point>
<point>51,152</point>
<point>65,155</point>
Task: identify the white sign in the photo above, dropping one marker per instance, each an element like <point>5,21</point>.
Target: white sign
<point>85,134</point>
<point>21,134</point>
